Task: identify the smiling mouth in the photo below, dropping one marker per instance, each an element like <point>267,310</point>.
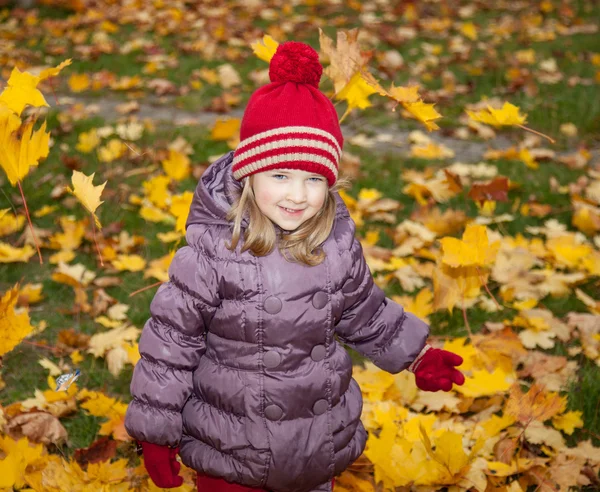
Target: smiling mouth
<point>292,209</point>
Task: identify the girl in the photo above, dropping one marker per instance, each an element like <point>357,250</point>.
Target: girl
<point>241,370</point>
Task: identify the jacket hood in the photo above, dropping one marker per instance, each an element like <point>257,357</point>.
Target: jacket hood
<point>216,191</point>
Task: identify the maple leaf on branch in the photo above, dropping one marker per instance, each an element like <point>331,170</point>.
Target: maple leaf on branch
<point>345,59</point>
<point>89,196</point>
<point>21,89</point>
<point>508,115</point>
<point>410,100</point>
<point>265,48</point>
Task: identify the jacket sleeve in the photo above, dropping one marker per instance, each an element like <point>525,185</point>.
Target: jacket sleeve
<point>171,345</point>
<point>374,325</point>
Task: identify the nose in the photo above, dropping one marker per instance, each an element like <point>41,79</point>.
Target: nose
<point>296,192</point>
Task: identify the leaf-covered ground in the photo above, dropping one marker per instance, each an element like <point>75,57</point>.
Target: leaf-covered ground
<point>481,217</point>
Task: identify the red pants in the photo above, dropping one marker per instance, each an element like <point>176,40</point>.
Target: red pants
<point>210,484</point>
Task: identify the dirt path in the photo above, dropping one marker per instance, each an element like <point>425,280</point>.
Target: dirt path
<point>385,140</point>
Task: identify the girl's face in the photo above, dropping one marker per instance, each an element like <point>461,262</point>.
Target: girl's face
<point>289,197</point>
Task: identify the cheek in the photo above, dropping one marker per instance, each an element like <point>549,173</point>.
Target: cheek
<point>264,197</point>
<point>319,199</point>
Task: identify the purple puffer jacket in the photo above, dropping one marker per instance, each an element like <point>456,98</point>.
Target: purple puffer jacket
<point>241,364</point>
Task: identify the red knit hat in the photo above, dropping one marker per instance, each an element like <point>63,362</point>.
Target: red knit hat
<point>290,123</point>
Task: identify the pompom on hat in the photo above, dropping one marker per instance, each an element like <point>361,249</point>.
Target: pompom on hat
<point>290,123</point>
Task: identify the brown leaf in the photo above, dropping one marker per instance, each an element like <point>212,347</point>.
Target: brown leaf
<point>453,181</point>
<point>565,470</point>
<point>541,476</point>
<point>443,224</point>
<point>73,339</point>
<point>108,281</point>
<point>101,302</point>
<point>73,163</point>
<point>536,404</point>
<point>505,450</point>
<point>494,190</point>
<point>345,59</point>
<point>100,450</point>
<point>39,427</point>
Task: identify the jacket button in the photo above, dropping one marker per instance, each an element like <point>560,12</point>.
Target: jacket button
<point>318,353</point>
<point>320,407</point>
<point>320,300</point>
<point>272,305</point>
<point>271,359</point>
<point>273,412</point>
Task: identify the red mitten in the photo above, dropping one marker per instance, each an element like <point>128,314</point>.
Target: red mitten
<point>162,465</point>
<point>434,369</point>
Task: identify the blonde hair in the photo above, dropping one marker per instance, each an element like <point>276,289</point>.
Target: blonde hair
<point>301,245</point>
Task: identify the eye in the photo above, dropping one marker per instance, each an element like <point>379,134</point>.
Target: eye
<point>316,179</point>
<point>278,176</point>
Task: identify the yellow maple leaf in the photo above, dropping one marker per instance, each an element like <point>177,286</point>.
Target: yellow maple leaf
<point>469,30</point>
<point>485,383</point>
<point>451,285</point>
<point>79,82</point>
<point>30,294</point>
<point>10,254</point>
<point>567,250</point>
<point>423,112</point>
<point>466,350</point>
<point>76,357</point>
<point>494,425</point>
<point>113,150</point>
<point>157,190</point>
<point>431,151</point>
<point>420,305</point>
<point>356,93</point>
<point>74,275</point>
<point>180,208</point>
<point>88,141</point>
<point>225,129</point>
<point>21,89</point>
<point>448,452</point>
<point>13,327</point>
<point>9,223</point>
<point>400,94</point>
<point>45,210</point>
<point>107,474</point>
<point>53,71</point>
<point>20,147</point>
<point>131,263</point>
<point>87,193</point>
<point>133,352</point>
<point>159,268</point>
<point>473,250</point>
<point>177,165</point>
<point>100,405</point>
<point>568,421</point>
<point>500,469</point>
<point>20,455</point>
<point>155,214</point>
<point>265,48</point>
<point>405,94</point>
<point>508,115</point>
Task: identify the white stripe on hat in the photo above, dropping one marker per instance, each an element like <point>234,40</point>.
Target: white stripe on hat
<point>287,142</point>
<point>278,159</point>
<point>291,129</point>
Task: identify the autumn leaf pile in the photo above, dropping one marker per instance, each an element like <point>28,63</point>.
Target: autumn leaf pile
<point>501,256</point>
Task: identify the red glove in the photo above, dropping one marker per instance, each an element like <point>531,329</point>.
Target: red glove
<point>434,369</point>
<point>162,465</point>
